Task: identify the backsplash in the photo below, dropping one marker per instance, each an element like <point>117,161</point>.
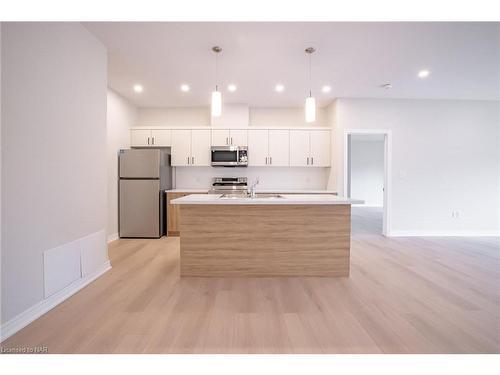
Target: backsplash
<point>270,178</point>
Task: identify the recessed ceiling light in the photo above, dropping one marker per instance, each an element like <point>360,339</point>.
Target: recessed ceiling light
<point>184,88</point>
<point>326,89</point>
<point>386,86</point>
<point>279,87</point>
<point>231,87</point>
<point>423,73</point>
<point>138,88</point>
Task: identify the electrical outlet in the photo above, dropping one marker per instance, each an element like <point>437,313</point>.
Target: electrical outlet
<point>455,214</point>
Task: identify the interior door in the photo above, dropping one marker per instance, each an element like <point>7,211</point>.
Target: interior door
<point>140,137</point>
<point>161,137</point>
<point>139,208</point>
<point>200,147</point>
<point>181,147</point>
<point>220,137</point>
<point>279,148</point>
<point>320,148</point>
<point>238,137</point>
<point>258,147</point>
<point>299,148</point>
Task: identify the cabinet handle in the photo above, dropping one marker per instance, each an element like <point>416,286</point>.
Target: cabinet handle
<point>188,159</point>
<point>192,159</point>
<point>153,142</point>
<point>270,160</point>
<point>148,141</point>
<point>312,160</point>
<point>266,160</point>
<point>231,140</point>
<point>227,141</point>
<point>308,160</point>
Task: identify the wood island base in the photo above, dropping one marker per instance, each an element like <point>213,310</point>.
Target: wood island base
<point>265,240</point>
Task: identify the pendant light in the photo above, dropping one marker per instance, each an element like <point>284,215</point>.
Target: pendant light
<point>216,107</point>
<point>310,101</point>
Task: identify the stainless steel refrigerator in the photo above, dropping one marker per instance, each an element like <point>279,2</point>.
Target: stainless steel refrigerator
<point>145,174</point>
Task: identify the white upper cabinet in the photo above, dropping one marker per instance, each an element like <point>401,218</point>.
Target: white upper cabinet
<point>220,137</point>
<point>258,147</point>
<point>181,147</point>
<point>320,148</point>
<point>268,148</point>
<point>229,137</point>
<point>279,148</point>
<point>238,137</point>
<point>161,137</point>
<point>310,148</point>
<point>151,138</point>
<point>190,147</point>
<point>140,137</point>
<point>299,148</point>
<point>200,147</point>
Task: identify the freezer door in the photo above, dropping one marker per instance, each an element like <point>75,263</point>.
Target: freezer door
<point>140,208</point>
<point>140,163</point>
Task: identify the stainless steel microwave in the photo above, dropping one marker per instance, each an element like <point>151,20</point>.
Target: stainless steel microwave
<point>229,156</point>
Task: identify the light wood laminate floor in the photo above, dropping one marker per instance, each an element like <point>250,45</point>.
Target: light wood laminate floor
<point>404,295</point>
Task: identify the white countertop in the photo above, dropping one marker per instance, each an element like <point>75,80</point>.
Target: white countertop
<point>267,191</point>
<point>216,199</point>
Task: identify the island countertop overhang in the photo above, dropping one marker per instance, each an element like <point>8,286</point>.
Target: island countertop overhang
<point>284,199</point>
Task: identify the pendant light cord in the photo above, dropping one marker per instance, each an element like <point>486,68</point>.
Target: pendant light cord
<point>216,72</point>
<point>310,57</point>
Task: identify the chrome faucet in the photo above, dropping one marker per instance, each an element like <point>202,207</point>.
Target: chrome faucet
<point>251,191</point>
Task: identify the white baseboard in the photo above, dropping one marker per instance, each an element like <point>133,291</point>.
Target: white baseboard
<point>26,317</point>
<point>437,233</point>
<point>112,237</point>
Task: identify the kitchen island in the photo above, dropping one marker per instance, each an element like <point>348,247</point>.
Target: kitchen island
<point>269,235</point>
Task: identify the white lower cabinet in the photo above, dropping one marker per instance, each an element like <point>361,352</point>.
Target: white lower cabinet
<point>190,147</point>
<point>310,148</point>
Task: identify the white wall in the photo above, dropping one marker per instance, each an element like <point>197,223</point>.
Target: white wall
<point>367,170</point>
<point>286,117</point>
<point>200,116</point>
<point>121,115</point>
<point>174,116</point>
<point>54,78</point>
<point>445,157</point>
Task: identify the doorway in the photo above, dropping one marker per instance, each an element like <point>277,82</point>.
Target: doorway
<point>367,167</point>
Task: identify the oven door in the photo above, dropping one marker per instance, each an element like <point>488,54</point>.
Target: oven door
<point>224,156</point>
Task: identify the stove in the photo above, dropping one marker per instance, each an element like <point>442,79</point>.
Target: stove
<point>223,185</point>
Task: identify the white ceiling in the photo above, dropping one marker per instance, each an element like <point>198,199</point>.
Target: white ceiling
<point>353,58</point>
